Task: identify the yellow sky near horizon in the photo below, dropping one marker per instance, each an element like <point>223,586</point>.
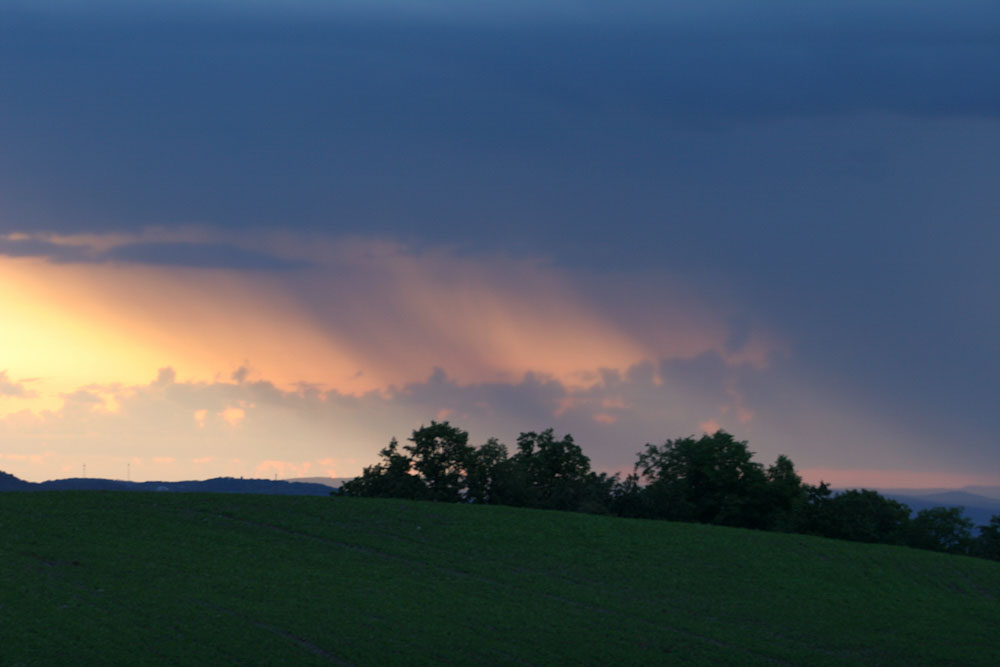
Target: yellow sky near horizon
<point>72,325</point>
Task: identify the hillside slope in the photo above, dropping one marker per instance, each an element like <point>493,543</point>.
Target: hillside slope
<point>114,578</point>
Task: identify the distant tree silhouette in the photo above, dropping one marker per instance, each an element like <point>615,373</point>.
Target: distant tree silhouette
<point>629,499</point>
<point>812,514</point>
<point>485,467</point>
<point>438,465</point>
<point>442,456</point>
<point>987,545</point>
<point>941,529</point>
<point>551,473</point>
<point>864,516</point>
<point>711,479</point>
<point>557,469</point>
<point>392,477</point>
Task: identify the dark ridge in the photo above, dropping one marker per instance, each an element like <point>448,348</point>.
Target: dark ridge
<point>9,482</point>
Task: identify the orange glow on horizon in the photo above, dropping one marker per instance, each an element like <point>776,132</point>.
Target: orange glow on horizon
<point>79,324</point>
<point>88,341</point>
<point>391,319</point>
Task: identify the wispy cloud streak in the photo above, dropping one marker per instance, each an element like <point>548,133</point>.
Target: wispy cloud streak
<point>154,253</point>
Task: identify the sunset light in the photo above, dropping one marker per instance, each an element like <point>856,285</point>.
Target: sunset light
<point>244,257</point>
<point>377,332</point>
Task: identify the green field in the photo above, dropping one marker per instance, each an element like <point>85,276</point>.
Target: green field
<point>147,578</point>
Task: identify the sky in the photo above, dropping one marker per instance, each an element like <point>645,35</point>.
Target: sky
<point>263,238</point>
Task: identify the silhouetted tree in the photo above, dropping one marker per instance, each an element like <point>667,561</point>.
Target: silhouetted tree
<point>441,454</point>
<point>596,495</point>
<point>511,485</point>
<point>627,498</point>
<point>785,493</point>
<point>711,480</point>
<point>392,477</point>
<point>987,545</point>
<point>941,529</point>
<point>866,516</point>
<point>550,473</point>
<point>485,466</point>
<point>812,513</point>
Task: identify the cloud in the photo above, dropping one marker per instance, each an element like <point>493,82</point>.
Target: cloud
<point>710,426</point>
<point>724,60</point>
<point>163,253</point>
<point>14,389</point>
<point>377,337</point>
<point>83,396</point>
<point>367,315</point>
<point>204,256</point>
<point>596,125</point>
<point>17,245</point>
<point>233,416</point>
<point>295,432</point>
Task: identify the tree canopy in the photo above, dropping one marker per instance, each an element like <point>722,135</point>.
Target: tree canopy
<point>712,479</point>
<point>709,479</point>
<point>441,456</point>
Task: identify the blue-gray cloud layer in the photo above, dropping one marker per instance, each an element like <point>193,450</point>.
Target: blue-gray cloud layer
<point>355,122</point>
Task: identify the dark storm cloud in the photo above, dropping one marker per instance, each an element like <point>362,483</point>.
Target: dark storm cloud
<point>349,121</point>
<point>195,255</point>
<point>775,59</point>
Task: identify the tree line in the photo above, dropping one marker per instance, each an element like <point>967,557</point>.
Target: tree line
<point>712,479</point>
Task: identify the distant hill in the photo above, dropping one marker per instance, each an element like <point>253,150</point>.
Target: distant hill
<point>988,491</point>
<point>182,579</point>
<point>991,492</point>
<point>334,482</point>
<point>976,507</point>
<point>9,482</point>
<point>962,498</point>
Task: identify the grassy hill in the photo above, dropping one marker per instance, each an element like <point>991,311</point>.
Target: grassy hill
<point>135,578</point>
